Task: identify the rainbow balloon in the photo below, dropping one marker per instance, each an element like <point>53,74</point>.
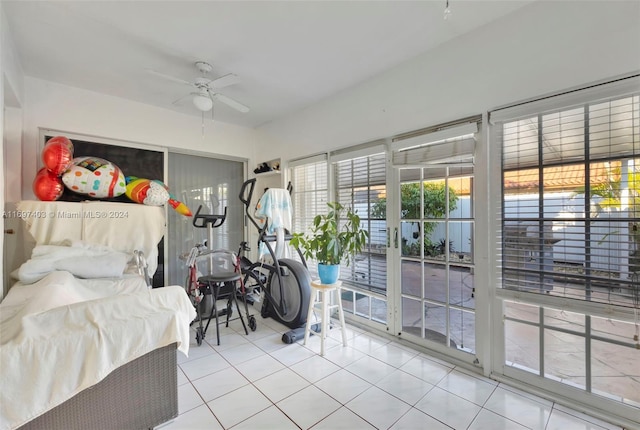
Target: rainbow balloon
<point>152,192</point>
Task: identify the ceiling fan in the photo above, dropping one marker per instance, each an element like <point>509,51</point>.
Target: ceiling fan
<point>206,89</point>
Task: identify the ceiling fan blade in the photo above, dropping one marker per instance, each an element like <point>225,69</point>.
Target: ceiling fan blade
<point>230,102</point>
<point>171,78</point>
<point>179,101</point>
<point>225,81</point>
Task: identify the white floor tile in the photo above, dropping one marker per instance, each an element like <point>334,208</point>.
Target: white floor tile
<point>262,331</point>
<point>182,378</point>
<point>448,408</point>
<point>380,408</point>
<point>560,420</point>
<point>227,341</point>
<point>476,375</point>
<point>292,354</point>
<point>308,407</point>
<point>259,367</point>
<point>529,396</point>
<point>256,381</point>
<point>188,398</point>
<point>271,342</point>
<point>520,409</point>
<point>425,369</point>
<point>314,345</point>
<point>343,356</point>
<point>219,383</point>
<point>270,419</point>
<point>241,353</point>
<point>467,387</point>
<point>418,420</point>
<point>343,385</point>
<point>586,417</point>
<point>394,355</point>
<point>487,420</point>
<point>343,419</point>
<point>406,387</point>
<point>195,351</point>
<point>368,343</point>
<point>370,369</point>
<point>238,405</point>
<point>199,418</point>
<point>437,360</point>
<point>350,331</point>
<point>204,366</point>
<point>314,368</point>
<point>281,384</point>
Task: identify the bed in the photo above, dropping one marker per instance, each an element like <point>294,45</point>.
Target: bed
<point>79,349</point>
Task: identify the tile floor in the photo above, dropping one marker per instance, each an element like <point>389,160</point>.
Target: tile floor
<point>259,382</point>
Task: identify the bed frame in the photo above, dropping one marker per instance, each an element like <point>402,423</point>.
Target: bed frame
<point>141,394</point>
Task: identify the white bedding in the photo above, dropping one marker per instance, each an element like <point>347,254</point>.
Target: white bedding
<point>81,259</point>
<point>61,335</point>
<point>123,227</point>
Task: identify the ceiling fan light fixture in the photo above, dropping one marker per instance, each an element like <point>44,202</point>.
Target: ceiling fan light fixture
<point>203,102</point>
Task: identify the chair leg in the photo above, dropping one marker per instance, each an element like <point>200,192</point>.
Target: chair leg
<point>343,327</point>
<point>307,329</point>
<point>325,321</point>
<point>215,309</point>
<point>235,299</point>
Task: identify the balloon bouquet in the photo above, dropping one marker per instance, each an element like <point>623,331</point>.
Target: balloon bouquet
<point>94,177</point>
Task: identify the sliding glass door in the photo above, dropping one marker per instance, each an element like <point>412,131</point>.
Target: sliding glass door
<point>211,184</point>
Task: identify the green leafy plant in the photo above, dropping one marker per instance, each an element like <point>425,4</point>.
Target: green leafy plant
<point>334,238</point>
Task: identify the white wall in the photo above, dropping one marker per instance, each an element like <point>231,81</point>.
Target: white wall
<point>11,95</point>
<point>60,107</point>
<point>542,48</point>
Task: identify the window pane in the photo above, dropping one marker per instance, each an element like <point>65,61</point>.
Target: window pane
<point>569,202</point>
<point>461,287</point>
<point>565,358</point>
<point>411,273</point>
<point>360,184</point>
<point>563,134</point>
<point>435,283</point>
<point>462,326</point>
<point>614,371</point>
<point>522,346</point>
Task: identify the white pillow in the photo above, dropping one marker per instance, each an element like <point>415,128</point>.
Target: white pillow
<point>108,265</point>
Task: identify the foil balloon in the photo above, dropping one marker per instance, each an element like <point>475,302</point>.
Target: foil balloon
<point>153,193</point>
<point>47,186</point>
<point>57,155</point>
<point>94,177</point>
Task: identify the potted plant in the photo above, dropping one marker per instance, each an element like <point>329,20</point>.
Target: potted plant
<point>334,238</point>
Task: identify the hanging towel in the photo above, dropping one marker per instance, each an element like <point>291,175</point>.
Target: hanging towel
<point>275,207</point>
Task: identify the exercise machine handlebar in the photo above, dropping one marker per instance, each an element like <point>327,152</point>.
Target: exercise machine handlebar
<point>205,220</point>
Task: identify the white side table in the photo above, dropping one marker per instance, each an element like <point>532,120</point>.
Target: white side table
<point>321,295</point>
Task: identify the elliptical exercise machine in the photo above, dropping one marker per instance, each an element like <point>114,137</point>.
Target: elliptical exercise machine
<point>286,285</point>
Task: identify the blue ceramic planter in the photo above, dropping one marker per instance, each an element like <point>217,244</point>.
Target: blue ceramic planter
<point>329,274</point>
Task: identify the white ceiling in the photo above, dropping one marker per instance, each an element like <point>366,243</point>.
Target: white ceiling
<point>288,54</point>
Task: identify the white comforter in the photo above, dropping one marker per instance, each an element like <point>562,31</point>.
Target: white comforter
<point>61,335</point>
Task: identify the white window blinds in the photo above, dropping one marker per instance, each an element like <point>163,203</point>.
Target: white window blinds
<point>453,145</point>
<point>360,183</point>
<point>571,196</point>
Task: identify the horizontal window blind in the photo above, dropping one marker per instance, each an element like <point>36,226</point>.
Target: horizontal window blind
<point>448,151</point>
<point>571,199</point>
<point>360,183</point>
<point>309,196</point>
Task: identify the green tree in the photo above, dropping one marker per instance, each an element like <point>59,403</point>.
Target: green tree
<point>435,206</point>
